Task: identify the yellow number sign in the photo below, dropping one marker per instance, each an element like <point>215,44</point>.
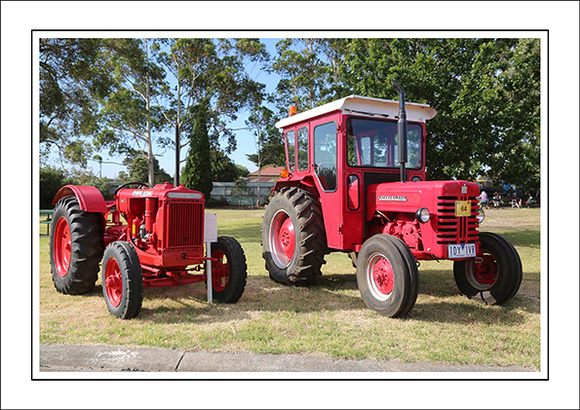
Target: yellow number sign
<point>462,208</point>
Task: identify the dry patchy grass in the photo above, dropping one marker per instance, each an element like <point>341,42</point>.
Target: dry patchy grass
<point>327,319</point>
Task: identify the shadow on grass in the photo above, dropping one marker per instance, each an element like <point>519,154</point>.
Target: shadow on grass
<point>332,293</point>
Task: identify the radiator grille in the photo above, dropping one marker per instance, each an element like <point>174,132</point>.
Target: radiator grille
<point>452,229</point>
<point>184,226</point>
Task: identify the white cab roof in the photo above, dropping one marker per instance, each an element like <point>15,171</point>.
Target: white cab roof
<point>365,106</point>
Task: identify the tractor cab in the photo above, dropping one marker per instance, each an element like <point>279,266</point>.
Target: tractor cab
<point>338,149</point>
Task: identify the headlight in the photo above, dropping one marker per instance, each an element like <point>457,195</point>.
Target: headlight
<point>415,178</point>
<point>423,215</point>
<point>480,216</point>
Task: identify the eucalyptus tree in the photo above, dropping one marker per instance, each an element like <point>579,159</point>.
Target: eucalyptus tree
<point>212,72</point>
<point>129,115</point>
<point>307,67</point>
<point>71,82</point>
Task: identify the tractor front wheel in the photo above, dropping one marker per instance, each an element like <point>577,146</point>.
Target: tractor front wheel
<point>76,247</point>
<point>293,237</point>
<point>229,271</point>
<point>494,277</point>
<point>122,280</point>
<point>387,275</point>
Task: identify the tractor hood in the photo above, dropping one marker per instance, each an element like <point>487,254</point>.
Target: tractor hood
<point>410,196</point>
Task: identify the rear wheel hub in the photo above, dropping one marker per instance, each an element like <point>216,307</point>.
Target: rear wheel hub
<point>282,238</point>
<point>62,246</point>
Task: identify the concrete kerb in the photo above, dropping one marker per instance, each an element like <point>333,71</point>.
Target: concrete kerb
<point>97,358</point>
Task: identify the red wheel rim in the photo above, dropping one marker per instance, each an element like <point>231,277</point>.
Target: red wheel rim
<point>113,282</point>
<point>282,239</point>
<point>485,273</point>
<point>380,276</point>
<point>220,270</point>
<point>62,246</point>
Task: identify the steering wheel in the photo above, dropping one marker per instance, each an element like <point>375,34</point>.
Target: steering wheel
<point>140,184</point>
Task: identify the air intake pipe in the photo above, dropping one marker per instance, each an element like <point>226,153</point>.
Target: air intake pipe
<point>402,130</point>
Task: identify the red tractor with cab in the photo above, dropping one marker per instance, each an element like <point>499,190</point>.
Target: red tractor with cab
<point>355,183</point>
<point>161,244</point>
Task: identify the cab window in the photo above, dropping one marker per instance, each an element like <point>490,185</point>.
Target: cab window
<point>302,141</point>
<point>325,157</point>
<point>374,143</point>
<point>291,150</point>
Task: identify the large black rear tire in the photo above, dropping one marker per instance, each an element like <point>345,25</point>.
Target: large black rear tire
<point>495,277</point>
<point>293,237</point>
<point>387,275</point>
<point>229,272</point>
<point>76,247</point>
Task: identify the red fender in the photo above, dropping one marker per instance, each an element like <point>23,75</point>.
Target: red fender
<point>90,198</point>
<point>305,182</point>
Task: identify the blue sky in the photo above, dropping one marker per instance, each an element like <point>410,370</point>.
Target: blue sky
<point>244,138</point>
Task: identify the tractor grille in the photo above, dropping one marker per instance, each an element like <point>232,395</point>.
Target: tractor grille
<point>452,229</point>
<point>184,226</point>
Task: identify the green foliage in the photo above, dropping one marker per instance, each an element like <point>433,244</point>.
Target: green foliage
<point>139,172</point>
<point>71,83</point>
<point>212,72</point>
<point>197,173</point>
<point>224,169</point>
<point>305,71</point>
<point>52,179</point>
<point>242,171</point>
<point>268,139</point>
<point>486,92</point>
<point>122,177</point>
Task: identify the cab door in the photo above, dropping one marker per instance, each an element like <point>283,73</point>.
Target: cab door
<point>325,150</point>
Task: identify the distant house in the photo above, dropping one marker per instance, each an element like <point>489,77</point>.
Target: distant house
<point>269,173</point>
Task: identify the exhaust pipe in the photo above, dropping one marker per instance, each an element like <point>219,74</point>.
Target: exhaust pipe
<point>402,130</point>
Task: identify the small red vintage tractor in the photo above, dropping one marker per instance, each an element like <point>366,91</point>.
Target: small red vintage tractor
<point>355,183</point>
<point>161,244</point>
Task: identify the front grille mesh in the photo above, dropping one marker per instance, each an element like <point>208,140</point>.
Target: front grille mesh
<point>184,226</point>
<point>452,229</point>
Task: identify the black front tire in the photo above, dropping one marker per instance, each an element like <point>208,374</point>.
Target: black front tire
<point>76,247</point>
<point>495,278</point>
<point>387,275</point>
<point>230,272</point>
<point>293,237</point>
<point>122,280</point>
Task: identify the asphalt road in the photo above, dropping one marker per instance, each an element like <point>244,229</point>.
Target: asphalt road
<point>98,358</point>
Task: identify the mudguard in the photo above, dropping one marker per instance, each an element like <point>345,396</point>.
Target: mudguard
<point>90,198</point>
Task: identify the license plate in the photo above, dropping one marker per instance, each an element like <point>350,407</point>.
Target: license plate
<point>461,250</point>
<point>462,208</point>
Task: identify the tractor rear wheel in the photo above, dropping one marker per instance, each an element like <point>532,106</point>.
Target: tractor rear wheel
<point>229,272</point>
<point>76,247</point>
<point>122,280</point>
<point>293,237</point>
<point>387,275</point>
<point>495,276</point>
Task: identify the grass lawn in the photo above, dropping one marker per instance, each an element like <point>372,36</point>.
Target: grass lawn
<point>328,319</point>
